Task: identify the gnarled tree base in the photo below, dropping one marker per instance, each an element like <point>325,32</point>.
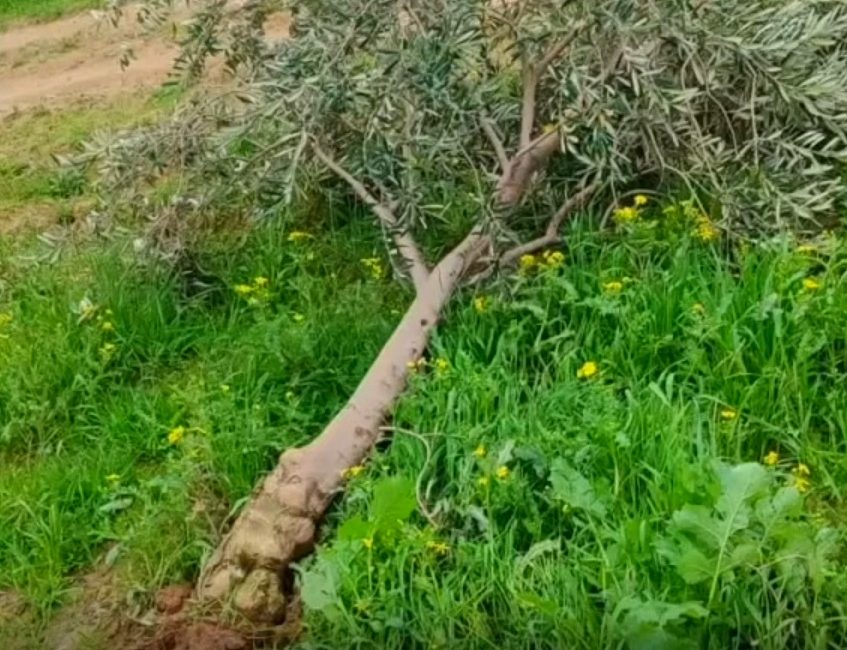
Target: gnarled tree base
<point>279,524</point>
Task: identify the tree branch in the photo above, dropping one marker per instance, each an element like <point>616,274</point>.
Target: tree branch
<point>515,178</point>
<point>406,246</point>
<point>551,236</point>
<point>502,157</point>
<point>532,76</point>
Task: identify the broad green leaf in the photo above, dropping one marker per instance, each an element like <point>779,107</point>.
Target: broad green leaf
<point>355,529</point>
<point>393,502</point>
<point>693,566</point>
<point>571,487</point>
<point>318,586</point>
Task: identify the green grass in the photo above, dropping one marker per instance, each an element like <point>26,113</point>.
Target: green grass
<point>15,11</point>
<point>518,505</point>
<point>31,181</point>
<point>635,511</point>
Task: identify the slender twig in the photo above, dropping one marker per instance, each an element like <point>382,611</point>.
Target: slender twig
<point>406,246</point>
<point>502,157</point>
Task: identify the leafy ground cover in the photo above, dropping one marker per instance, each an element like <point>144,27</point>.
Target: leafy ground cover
<point>640,442</point>
<point>642,447</point>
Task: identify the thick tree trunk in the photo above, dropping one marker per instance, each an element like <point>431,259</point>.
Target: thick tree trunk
<point>279,524</point>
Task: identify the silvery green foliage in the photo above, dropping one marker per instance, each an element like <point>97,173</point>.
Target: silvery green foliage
<point>742,103</point>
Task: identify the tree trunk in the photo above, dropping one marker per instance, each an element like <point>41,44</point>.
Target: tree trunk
<point>279,524</point>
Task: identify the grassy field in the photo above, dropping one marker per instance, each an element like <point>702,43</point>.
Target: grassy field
<point>15,11</point>
<point>641,447</point>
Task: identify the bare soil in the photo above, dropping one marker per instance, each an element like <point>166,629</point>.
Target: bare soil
<point>50,64</point>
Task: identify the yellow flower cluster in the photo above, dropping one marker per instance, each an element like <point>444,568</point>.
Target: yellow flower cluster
<point>811,284</point>
<point>107,351</point>
<point>257,293</point>
<point>630,213</point>
<point>415,367</point>
<point>176,435</point>
<point>375,266</point>
<point>503,473</point>
<point>587,370</point>
<point>439,548</point>
<point>771,459</point>
<point>613,288</point>
<point>549,260</point>
<point>481,304</point>
<point>353,472</point>
<point>297,236</point>
<point>801,477</point>
<point>626,214</point>
<point>728,414</point>
<point>480,451</point>
<point>706,231</point>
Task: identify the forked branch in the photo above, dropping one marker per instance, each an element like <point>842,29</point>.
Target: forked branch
<point>551,235</point>
<point>406,245</point>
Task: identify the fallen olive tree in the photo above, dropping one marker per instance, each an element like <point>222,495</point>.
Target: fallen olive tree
<point>472,130</point>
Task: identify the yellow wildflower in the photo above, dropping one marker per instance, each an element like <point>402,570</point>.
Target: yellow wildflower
<point>483,481</point>
<point>706,230</point>
<point>802,470</point>
<point>502,472</point>
<point>243,289</point>
<point>176,435</point>
<point>771,458</point>
<point>587,370</point>
<point>353,472</point>
<point>374,265</point>
<point>802,484</point>
<point>811,284</point>
<point>108,350</point>
<point>299,235</point>
<point>554,259</point>
<point>368,543</point>
<point>87,309</point>
<point>527,262</point>
<point>613,287</point>
<point>480,304</point>
<point>626,214</point>
<point>439,548</point>
<point>107,326</point>
<point>113,478</point>
<point>261,281</point>
<point>442,365</point>
<point>416,366</point>
<point>480,451</point>
<point>640,200</point>
<point>729,414</point>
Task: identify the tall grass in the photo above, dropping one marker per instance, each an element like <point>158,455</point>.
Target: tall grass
<point>522,503</point>
<point>636,508</point>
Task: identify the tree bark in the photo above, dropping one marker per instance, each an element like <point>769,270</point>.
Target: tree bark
<point>279,524</point>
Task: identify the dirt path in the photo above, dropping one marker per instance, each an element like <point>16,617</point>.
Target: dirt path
<point>78,57</point>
